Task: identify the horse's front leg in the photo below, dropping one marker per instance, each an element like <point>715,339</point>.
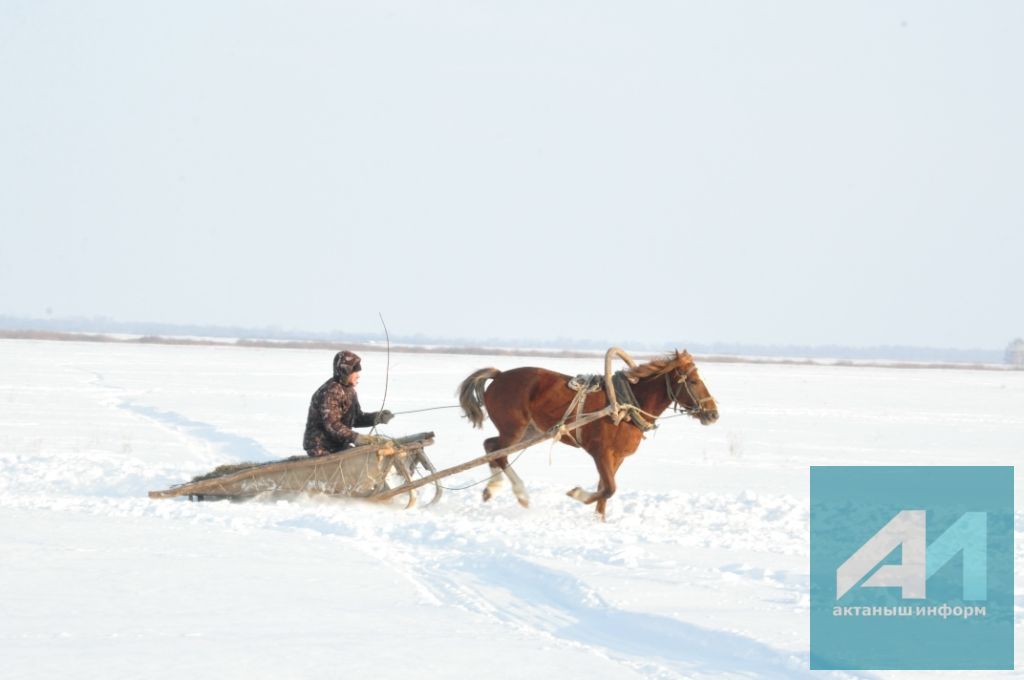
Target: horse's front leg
<point>584,496</point>
<point>587,497</point>
<point>609,482</point>
<point>607,464</point>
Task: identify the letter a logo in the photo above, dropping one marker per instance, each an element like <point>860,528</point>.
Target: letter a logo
<point>920,561</point>
<point>906,529</point>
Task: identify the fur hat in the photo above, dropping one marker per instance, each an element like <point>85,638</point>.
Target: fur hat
<point>346,363</point>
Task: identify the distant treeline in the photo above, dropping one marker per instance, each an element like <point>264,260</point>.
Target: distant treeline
<point>273,336</point>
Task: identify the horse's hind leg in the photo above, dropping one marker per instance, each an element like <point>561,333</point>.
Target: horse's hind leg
<point>494,483</point>
<point>500,465</point>
<point>517,486</point>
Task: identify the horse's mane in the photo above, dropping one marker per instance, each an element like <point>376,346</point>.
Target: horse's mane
<point>660,366</point>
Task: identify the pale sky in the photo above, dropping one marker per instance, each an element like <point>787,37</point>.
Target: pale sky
<point>785,172</point>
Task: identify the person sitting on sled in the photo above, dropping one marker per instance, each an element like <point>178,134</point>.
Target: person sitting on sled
<point>334,410</point>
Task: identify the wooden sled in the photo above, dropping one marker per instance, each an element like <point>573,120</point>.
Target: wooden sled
<point>361,472</point>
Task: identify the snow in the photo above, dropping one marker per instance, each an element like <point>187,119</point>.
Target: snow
<point>700,571</point>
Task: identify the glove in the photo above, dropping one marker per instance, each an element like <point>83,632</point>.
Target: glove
<point>363,440</point>
<point>384,416</point>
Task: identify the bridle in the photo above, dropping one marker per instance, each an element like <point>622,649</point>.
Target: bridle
<point>682,381</point>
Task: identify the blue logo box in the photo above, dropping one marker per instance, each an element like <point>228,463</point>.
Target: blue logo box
<point>911,568</point>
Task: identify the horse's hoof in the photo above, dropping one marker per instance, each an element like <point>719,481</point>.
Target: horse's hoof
<point>487,495</point>
<point>525,502</point>
<point>578,493</point>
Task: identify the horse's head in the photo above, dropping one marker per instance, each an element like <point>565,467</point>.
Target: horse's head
<point>688,391</point>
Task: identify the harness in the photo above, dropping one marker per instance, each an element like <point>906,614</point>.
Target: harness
<point>583,384</point>
<point>622,402</point>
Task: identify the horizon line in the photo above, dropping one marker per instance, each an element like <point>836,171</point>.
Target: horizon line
<point>103,324</point>
<point>71,336</point>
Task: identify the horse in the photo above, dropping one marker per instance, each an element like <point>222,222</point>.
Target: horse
<point>527,402</point>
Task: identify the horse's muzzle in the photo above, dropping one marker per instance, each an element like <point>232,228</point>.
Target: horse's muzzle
<point>708,417</point>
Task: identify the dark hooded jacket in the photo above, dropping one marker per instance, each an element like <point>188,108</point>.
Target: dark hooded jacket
<point>334,410</point>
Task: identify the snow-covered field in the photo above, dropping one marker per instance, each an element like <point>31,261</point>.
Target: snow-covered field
<point>700,571</point>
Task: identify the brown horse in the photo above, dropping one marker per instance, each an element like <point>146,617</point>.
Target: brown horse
<point>525,402</point>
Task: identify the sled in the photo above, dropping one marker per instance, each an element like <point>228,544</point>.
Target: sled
<point>361,472</point>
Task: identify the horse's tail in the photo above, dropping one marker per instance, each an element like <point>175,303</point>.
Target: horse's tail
<point>471,395</point>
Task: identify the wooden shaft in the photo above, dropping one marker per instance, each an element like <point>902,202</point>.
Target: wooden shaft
<point>494,455</point>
